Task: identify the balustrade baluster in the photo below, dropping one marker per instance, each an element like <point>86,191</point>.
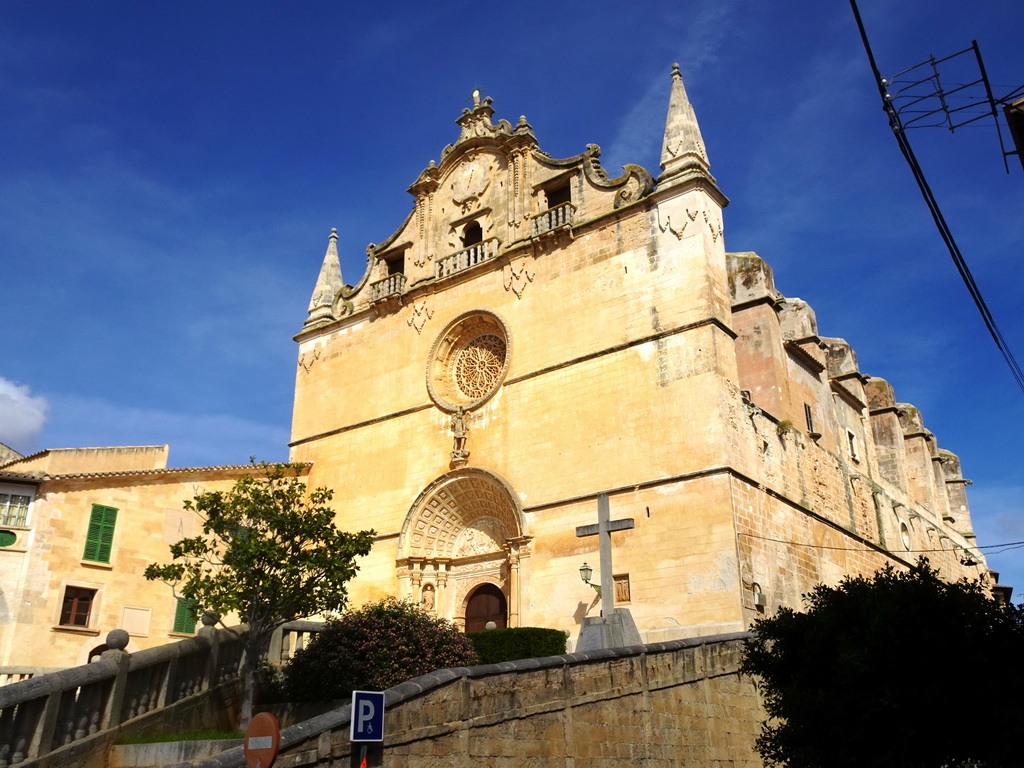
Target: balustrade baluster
<point>286,645</point>
<point>6,734</point>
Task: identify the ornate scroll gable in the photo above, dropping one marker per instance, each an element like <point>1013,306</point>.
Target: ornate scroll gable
<point>634,183</point>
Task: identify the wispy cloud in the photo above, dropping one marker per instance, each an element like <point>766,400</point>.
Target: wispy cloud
<point>22,416</point>
<point>703,37</point>
<point>998,515</point>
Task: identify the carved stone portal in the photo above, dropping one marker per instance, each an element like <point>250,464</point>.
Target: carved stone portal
<point>464,530</point>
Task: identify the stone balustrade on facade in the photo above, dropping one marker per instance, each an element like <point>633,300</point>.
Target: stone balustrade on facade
<point>390,287</point>
<point>552,219</point>
<point>478,253</point>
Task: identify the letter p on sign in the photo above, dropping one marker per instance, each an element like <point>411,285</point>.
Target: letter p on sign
<point>367,722</point>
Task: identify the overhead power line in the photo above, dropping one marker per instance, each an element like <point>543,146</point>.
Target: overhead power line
<point>1004,547</point>
<point>899,131</point>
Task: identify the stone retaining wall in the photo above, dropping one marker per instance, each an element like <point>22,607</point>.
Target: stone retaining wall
<point>665,704</point>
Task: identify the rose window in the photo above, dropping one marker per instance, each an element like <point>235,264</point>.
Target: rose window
<point>468,361</point>
<point>479,364</point>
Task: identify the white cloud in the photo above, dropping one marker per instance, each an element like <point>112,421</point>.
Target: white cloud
<point>22,416</point>
<point>998,515</point>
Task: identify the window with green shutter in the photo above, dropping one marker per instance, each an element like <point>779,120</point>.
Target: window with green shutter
<point>100,537</point>
<point>185,617</point>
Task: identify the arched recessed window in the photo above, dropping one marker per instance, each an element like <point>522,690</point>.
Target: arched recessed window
<point>472,234</point>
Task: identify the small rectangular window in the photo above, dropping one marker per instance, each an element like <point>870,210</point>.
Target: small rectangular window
<point>809,418</point>
<point>396,264</point>
<point>185,617</point>
<point>852,439</point>
<point>14,509</point>
<point>77,606</point>
<point>100,537</point>
<point>558,195</point>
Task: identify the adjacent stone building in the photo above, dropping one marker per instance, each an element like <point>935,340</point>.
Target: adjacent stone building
<point>535,334</point>
<point>77,529</point>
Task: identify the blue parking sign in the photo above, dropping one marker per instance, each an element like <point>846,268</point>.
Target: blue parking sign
<point>367,723</point>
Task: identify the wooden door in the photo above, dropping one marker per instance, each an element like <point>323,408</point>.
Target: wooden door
<point>487,603</point>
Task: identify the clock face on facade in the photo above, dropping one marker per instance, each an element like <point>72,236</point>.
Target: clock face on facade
<point>471,180</point>
<point>468,361</point>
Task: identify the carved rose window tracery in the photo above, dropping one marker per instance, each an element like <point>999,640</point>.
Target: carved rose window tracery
<point>468,361</point>
<point>479,364</point>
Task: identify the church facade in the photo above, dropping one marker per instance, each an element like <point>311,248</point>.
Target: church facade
<point>535,335</point>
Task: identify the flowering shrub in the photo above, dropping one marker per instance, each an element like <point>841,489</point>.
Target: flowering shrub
<point>373,648</point>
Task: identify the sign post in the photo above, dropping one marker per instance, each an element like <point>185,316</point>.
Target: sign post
<point>366,724</point>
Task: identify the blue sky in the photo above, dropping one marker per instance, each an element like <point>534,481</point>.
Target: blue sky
<point>169,173</point>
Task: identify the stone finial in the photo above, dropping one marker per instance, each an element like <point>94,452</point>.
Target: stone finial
<point>117,639</point>
<point>328,284</point>
<point>683,147</point>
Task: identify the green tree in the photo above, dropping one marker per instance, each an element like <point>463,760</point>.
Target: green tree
<point>900,670</point>
<point>375,647</point>
<point>269,552</point>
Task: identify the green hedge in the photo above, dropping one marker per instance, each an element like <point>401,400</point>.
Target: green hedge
<point>497,645</point>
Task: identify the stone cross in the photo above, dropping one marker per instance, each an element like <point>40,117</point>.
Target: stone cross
<point>603,530</point>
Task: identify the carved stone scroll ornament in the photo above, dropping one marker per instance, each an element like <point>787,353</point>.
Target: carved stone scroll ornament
<point>516,279</point>
<point>307,359</point>
<point>420,314</point>
<point>715,227</point>
<point>667,226</point>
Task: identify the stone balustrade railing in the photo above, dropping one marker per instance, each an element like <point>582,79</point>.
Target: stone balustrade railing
<point>475,254</point>
<point>553,218</point>
<point>392,285</point>
<point>10,675</point>
<point>47,712</point>
<point>292,637</point>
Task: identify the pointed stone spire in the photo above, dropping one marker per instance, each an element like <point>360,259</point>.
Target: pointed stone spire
<point>327,284</point>
<point>683,149</point>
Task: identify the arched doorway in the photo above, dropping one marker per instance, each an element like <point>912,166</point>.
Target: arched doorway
<point>464,532</point>
<point>486,603</point>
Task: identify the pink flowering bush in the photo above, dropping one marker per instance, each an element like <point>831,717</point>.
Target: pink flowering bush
<point>373,648</point>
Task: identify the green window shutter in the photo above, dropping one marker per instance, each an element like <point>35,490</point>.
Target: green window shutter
<point>185,617</point>
<point>100,537</point>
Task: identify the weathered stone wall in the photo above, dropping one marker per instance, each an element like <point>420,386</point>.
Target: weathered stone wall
<point>667,704</point>
<point>150,518</point>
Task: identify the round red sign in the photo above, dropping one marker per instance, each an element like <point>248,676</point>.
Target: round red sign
<point>262,738</point>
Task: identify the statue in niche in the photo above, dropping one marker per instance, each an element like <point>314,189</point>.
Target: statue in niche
<point>459,432</point>
<point>427,598</point>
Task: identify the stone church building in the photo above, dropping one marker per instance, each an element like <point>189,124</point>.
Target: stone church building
<point>536,334</point>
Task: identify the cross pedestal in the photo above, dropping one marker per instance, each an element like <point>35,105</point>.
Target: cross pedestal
<point>615,627</point>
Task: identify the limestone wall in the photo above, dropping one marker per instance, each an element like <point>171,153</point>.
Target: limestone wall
<point>150,517</point>
<point>667,704</point>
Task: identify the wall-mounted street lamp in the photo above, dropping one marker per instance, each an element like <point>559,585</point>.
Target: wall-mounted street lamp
<point>586,573</point>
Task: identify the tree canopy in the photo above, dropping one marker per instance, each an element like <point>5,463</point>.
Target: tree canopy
<point>269,551</point>
<point>900,670</point>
